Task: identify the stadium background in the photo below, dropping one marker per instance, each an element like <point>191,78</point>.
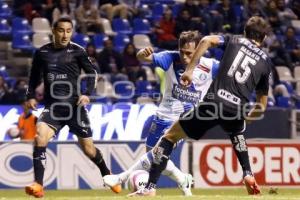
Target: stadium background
<point>121,107</point>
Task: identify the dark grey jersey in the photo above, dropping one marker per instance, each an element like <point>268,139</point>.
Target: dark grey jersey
<point>243,69</point>
<point>60,69</point>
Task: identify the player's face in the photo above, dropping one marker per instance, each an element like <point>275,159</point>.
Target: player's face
<point>186,52</point>
<point>62,34</point>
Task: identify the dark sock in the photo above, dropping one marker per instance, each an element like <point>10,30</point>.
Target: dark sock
<point>39,163</point>
<point>161,155</point>
<point>241,150</point>
<point>99,161</point>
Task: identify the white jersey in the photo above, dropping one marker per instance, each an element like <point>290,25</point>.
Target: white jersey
<point>177,99</point>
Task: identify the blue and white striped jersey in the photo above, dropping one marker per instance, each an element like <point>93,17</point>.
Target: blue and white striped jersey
<point>177,99</point>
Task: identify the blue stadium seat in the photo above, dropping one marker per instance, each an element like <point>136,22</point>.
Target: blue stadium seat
<point>124,90</point>
<point>282,102</point>
<point>121,26</point>
<point>288,86</point>
<point>238,11</point>
<point>81,39</point>
<point>176,9</point>
<point>21,25</point>
<point>5,11</point>
<point>297,37</point>
<point>3,72</point>
<point>22,42</point>
<point>120,41</point>
<point>145,11</point>
<point>143,88</point>
<point>280,37</point>
<point>11,82</point>
<point>158,10</point>
<point>98,40</point>
<point>148,2</point>
<point>168,2</point>
<point>5,29</point>
<point>141,26</point>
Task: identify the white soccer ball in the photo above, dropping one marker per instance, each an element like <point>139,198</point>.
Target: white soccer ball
<point>137,180</point>
<point>13,132</point>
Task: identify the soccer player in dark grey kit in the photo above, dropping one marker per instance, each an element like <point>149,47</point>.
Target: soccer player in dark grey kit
<point>243,69</point>
<point>59,64</point>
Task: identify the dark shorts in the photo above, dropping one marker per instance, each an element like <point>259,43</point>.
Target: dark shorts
<point>199,120</point>
<point>74,116</point>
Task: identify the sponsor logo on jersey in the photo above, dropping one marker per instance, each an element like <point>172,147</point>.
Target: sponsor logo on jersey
<point>185,94</point>
<point>50,77</point>
<point>224,94</point>
<point>61,76</point>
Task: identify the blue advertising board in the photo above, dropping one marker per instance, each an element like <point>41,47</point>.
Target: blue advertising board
<point>68,168</point>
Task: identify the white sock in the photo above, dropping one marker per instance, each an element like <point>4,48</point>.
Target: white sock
<point>142,164</point>
<point>174,173</point>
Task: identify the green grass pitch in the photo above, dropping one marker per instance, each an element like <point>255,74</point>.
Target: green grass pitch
<point>165,194</point>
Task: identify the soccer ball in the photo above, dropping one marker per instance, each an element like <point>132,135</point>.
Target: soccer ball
<point>137,180</point>
<point>13,132</point>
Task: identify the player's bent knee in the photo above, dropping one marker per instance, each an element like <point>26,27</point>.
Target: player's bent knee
<point>175,133</point>
<point>170,137</point>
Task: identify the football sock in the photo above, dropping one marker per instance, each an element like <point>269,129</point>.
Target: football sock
<point>174,173</point>
<point>161,154</point>
<point>39,163</point>
<point>240,148</point>
<point>99,161</point>
<point>171,170</point>
<point>142,164</point>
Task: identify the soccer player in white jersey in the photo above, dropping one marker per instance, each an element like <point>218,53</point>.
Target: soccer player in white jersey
<point>176,101</point>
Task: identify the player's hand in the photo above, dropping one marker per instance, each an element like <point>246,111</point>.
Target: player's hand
<point>31,104</point>
<point>248,121</point>
<point>147,51</point>
<point>83,100</point>
<point>186,79</point>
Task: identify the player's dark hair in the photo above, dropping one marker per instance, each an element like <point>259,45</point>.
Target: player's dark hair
<point>189,36</point>
<point>256,28</point>
<point>62,19</point>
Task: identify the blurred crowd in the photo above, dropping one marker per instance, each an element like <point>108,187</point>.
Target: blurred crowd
<point>167,22</point>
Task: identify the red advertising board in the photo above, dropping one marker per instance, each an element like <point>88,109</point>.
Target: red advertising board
<point>274,163</point>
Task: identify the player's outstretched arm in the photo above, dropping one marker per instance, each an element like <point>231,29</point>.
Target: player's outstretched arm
<point>258,109</point>
<point>205,43</point>
<point>145,55</point>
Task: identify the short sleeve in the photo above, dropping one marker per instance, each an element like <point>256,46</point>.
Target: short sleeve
<point>215,68</point>
<point>164,59</point>
<point>224,40</point>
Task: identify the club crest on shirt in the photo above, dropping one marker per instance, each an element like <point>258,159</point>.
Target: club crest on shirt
<point>50,77</point>
<point>202,77</point>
